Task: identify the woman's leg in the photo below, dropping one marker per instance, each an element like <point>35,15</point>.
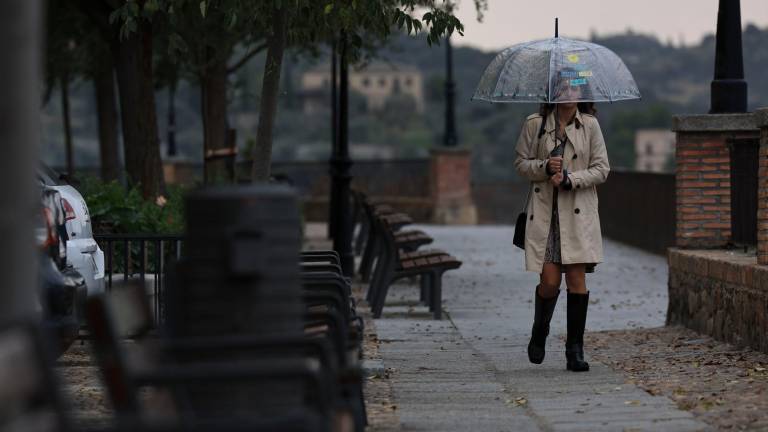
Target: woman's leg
<point>549,280</point>
<point>546,299</point>
<point>578,301</point>
<point>575,278</point>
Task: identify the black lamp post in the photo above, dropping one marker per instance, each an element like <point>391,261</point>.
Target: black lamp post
<point>340,177</point>
<point>729,90</point>
<point>449,139</point>
<point>334,139</point>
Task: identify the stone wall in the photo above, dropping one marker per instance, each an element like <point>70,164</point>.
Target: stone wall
<point>720,293</point>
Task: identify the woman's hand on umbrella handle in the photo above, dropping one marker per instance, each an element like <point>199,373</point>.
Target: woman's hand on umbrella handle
<point>555,164</point>
<point>556,179</point>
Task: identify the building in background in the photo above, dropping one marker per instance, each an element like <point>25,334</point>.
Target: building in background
<point>377,83</point>
<point>654,150</point>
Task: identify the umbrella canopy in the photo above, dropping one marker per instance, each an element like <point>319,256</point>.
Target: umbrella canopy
<point>556,70</point>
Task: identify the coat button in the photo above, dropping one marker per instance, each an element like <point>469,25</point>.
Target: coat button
<point>531,218</point>
<point>578,186</point>
<point>536,190</point>
<point>577,211</point>
<point>575,156</point>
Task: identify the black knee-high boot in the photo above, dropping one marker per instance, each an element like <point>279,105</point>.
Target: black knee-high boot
<point>574,342</point>
<point>541,318</point>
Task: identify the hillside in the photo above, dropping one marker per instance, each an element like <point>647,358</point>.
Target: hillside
<point>672,79</point>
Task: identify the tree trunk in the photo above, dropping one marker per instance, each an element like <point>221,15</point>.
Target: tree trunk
<point>172,118</point>
<point>20,44</point>
<point>133,63</point>
<point>262,152</point>
<point>64,87</point>
<point>106,111</point>
<point>219,156</point>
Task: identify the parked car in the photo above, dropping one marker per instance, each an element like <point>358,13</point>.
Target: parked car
<point>61,288</point>
<point>83,252</point>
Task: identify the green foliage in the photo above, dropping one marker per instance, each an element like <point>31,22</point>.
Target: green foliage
<point>624,124</point>
<point>118,210</point>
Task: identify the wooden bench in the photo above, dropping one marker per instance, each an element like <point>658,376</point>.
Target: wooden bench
<point>407,240</point>
<point>393,265</point>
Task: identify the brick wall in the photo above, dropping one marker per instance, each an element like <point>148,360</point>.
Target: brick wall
<point>450,186</point>
<point>450,174</point>
<point>723,293</point>
<point>703,190</point>
<point>703,179</point>
<point>762,189</point>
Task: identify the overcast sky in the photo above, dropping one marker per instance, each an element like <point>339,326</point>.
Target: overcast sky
<point>508,22</point>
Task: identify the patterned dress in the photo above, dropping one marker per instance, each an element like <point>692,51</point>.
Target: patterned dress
<point>552,254</point>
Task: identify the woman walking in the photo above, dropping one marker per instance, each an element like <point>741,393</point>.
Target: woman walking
<point>562,152</point>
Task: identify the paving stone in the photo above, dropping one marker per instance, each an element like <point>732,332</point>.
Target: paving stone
<point>482,344</point>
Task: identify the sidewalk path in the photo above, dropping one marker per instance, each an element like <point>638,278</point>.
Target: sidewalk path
<point>470,372</point>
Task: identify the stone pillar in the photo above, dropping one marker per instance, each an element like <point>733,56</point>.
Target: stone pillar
<point>451,189</point>
<point>703,178</point>
<point>761,116</point>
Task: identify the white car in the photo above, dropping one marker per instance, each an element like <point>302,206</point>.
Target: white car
<point>83,253</point>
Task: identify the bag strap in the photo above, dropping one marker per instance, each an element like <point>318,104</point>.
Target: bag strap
<point>527,197</point>
<point>530,185</point>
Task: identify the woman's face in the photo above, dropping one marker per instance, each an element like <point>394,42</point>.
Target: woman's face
<point>567,92</point>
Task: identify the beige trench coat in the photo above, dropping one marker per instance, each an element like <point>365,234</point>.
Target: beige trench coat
<point>586,160</point>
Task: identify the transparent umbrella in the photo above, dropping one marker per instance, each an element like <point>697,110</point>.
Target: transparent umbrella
<point>556,70</point>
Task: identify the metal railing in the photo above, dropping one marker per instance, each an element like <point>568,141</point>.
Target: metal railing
<point>638,208</point>
<point>140,258</point>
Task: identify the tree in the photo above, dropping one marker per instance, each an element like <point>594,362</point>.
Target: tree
<point>207,32</point>
<point>309,24</point>
<point>276,42</point>
<point>62,64</point>
<point>624,125</point>
<point>127,28</point>
<point>106,110</point>
<point>76,50</point>
<point>203,37</point>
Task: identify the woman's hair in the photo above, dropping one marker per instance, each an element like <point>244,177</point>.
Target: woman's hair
<point>545,109</point>
<point>584,107</point>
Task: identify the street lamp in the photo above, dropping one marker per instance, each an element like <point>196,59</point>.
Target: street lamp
<point>729,90</point>
<point>449,139</point>
<point>334,139</point>
<point>340,166</point>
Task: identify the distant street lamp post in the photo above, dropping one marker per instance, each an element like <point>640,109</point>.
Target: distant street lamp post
<point>729,90</point>
<point>340,166</point>
<point>334,139</point>
<point>449,139</point>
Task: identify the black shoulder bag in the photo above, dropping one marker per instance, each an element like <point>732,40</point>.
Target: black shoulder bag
<point>519,239</point>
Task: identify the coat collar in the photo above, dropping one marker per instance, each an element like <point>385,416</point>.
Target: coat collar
<point>549,127</point>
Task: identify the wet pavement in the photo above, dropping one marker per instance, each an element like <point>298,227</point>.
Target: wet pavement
<point>470,371</point>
